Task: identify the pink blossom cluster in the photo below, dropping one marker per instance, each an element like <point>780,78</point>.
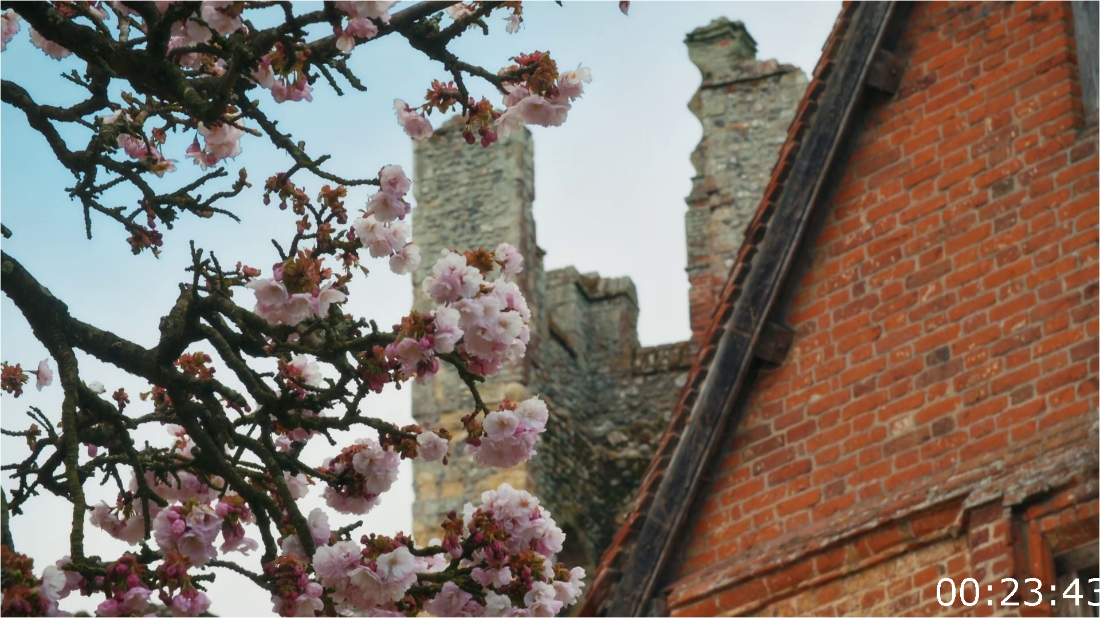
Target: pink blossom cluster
<point>220,15</point>
<point>361,22</point>
<point>486,321</point>
<point>13,377</point>
<point>192,602</point>
<point>387,240</point>
<point>283,72</point>
<point>57,583</point>
<point>510,540</point>
<point>283,87</point>
<point>415,123</point>
<point>9,26</point>
<point>130,529</point>
<point>431,446</point>
<point>182,486</point>
<point>508,549</point>
<point>295,593</point>
<point>222,141</point>
<point>234,512</point>
<point>192,525</point>
<point>127,594</point>
<point>298,484</point>
<point>381,230</point>
<point>140,149</point>
<point>363,582</point>
<point>415,356</point>
<point>376,10</point>
<point>24,593</point>
<point>510,434</point>
<point>461,11</point>
<point>365,470</point>
<point>524,107</point>
<point>194,60</point>
<point>301,371</point>
<point>188,486</point>
<point>529,526</point>
<point>522,537</point>
<point>278,305</point>
<point>375,368</point>
<point>319,531</point>
<point>190,529</point>
<point>176,589</point>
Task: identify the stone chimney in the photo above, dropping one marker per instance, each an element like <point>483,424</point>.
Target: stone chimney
<point>746,106</point>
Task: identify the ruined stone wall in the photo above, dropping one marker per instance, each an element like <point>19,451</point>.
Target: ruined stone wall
<point>609,398</point>
<point>745,106</point>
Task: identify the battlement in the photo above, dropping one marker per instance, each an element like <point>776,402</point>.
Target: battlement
<point>662,358</point>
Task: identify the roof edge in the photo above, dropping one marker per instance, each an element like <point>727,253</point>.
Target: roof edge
<point>752,293</point>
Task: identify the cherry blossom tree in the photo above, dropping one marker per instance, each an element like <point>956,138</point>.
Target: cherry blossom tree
<point>228,477</point>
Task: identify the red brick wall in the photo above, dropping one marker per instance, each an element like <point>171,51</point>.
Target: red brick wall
<point>948,323</point>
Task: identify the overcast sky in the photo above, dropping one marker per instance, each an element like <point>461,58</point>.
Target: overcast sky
<point>610,188</point>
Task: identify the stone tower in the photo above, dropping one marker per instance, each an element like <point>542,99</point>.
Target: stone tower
<point>468,197</point>
<point>609,398</point>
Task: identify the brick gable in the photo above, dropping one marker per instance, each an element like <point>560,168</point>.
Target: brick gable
<point>943,375</point>
<point>951,307</point>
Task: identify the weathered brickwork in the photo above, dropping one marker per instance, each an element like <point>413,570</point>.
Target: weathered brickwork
<point>745,106</point>
<point>944,373</point>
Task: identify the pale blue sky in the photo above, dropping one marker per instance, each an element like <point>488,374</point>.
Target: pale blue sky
<point>610,186</point>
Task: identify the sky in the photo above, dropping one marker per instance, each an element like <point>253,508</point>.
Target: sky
<point>610,187</point>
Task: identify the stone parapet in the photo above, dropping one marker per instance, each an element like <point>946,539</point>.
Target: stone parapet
<point>661,358</point>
